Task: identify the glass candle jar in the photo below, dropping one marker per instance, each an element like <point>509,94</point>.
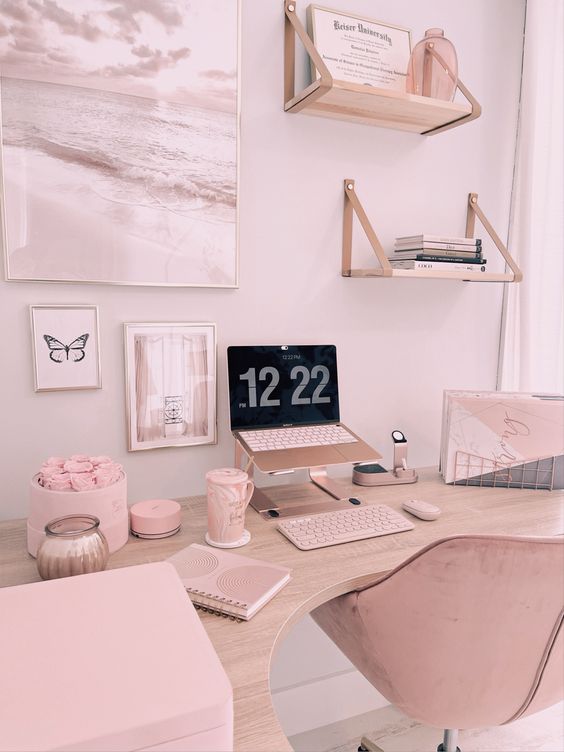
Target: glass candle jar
<point>428,76</point>
<point>73,545</point>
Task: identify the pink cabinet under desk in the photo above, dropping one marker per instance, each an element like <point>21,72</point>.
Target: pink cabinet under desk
<point>113,661</point>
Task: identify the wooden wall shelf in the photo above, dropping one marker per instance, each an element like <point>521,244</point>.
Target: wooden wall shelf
<point>353,205</point>
<point>328,97</point>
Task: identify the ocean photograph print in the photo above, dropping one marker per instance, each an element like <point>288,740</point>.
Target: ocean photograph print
<point>119,141</point>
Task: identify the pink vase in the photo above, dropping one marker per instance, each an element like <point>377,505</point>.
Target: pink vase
<point>428,76</point>
<point>108,504</point>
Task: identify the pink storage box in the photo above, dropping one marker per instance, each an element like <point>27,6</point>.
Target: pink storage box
<point>113,661</point>
<point>108,504</point>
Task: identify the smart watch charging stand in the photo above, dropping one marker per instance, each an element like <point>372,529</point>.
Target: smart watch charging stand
<point>373,474</point>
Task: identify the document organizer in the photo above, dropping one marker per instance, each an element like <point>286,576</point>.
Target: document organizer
<point>503,439</point>
<point>540,474</point>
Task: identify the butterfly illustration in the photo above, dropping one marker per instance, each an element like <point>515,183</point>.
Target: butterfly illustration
<point>58,351</point>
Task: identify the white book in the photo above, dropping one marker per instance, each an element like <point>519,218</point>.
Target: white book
<point>414,252</point>
<point>444,266</point>
<point>423,238</point>
<point>430,246</point>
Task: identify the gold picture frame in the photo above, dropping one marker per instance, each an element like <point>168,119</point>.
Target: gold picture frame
<point>100,182</point>
<point>171,384</point>
<point>359,50</point>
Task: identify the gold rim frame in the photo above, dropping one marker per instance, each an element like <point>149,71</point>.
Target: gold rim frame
<point>311,27</point>
<point>234,286</point>
<point>130,390</point>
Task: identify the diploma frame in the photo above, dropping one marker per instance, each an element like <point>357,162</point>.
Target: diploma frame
<point>313,30</point>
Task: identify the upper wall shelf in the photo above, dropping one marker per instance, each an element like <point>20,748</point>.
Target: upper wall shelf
<point>328,97</point>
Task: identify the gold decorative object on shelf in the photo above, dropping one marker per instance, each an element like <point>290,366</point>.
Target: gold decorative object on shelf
<point>353,206</point>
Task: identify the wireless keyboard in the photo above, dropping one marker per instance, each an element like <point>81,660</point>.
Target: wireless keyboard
<point>296,437</point>
<point>343,526</point>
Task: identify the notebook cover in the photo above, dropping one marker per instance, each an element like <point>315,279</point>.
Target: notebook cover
<point>228,583</point>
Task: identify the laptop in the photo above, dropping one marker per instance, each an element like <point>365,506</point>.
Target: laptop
<point>284,407</point>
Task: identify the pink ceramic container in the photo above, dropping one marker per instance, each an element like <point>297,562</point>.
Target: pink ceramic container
<point>108,504</point>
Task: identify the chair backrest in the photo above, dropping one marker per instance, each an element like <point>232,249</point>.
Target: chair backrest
<point>466,633</point>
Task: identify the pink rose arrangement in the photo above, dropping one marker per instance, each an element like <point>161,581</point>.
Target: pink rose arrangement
<point>79,473</point>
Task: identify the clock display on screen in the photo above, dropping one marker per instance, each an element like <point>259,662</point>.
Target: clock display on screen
<point>282,385</point>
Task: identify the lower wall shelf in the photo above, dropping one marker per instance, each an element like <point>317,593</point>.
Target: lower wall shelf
<point>430,274</point>
<point>353,205</point>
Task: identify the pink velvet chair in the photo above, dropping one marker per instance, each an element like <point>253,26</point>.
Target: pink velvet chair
<point>466,633</point>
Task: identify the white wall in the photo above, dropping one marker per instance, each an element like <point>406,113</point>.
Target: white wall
<point>400,342</point>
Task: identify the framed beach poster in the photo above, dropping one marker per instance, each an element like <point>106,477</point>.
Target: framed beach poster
<point>66,347</point>
<point>170,384</point>
<point>119,141</point>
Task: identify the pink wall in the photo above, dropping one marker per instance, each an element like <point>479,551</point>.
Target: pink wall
<point>400,342</point>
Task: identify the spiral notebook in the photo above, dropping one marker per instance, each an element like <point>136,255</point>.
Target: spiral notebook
<point>225,583</point>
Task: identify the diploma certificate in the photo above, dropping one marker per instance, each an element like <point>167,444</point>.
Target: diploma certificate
<point>360,50</point>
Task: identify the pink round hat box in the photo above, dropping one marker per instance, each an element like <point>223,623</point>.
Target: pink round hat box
<point>108,504</point>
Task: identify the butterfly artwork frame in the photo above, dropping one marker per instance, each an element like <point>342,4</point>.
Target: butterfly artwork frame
<point>66,347</point>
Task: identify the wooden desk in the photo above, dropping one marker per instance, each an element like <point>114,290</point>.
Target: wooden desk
<point>245,649</point>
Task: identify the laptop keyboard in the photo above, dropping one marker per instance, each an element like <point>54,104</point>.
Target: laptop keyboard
<point>343,526</point>
<point>296,437</point>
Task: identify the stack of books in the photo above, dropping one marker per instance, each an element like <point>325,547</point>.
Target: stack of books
<point>438,252</point>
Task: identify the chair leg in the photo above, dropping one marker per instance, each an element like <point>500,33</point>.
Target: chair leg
<point>449,741</point>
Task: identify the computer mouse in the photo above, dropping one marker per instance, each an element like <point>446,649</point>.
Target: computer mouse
<point>421,509</point>
<point>354,500</point>
<point>273,513</point>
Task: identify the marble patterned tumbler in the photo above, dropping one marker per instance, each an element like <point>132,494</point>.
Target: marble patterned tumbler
<point>229,492</point>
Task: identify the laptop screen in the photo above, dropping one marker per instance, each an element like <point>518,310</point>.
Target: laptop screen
<point>278,385</point>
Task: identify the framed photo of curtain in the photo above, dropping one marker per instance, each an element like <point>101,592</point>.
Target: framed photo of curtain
<point>119,135</point>
<point>170,384</point>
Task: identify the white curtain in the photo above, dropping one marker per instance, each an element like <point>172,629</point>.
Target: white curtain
<point>533,321</point>
<point>148,387</point>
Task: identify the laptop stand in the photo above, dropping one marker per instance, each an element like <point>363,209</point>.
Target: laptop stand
<point>364,474</point>
<point>268,507</point>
